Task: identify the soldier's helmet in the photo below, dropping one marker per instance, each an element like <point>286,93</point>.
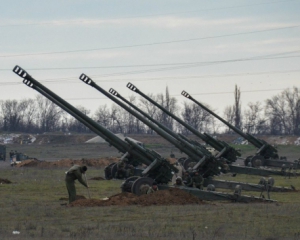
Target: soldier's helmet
<point>178,180</point>
<point>211,187</point>
<point>84,168</point>
<point>283,165</point>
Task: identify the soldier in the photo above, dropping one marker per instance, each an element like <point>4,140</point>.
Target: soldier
<point>72,174</point>
<point>198,180</point>
<point>11,155</point>
<point>178,182</point>
<point>121,171</point>
<point>187,179</point>
<point>152,188</point>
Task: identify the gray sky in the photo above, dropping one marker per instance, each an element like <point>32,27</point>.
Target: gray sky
<point>202,47</point>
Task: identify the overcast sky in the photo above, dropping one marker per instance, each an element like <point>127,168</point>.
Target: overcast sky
<point>202,47</point>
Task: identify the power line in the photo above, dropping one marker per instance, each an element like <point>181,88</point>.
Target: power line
<point>195,94</point>
<point>171,77</point>
<point>150,44</point>
<point>148,15</point>
<point>133,66</point>
<point>261,57</point>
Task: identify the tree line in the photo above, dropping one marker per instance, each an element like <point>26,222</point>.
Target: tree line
<point>278,115</point>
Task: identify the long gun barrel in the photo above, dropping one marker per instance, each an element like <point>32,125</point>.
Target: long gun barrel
<point>145,156</point>
<point>264,149</point>
<point>225,151</point>
<point>212,166</point>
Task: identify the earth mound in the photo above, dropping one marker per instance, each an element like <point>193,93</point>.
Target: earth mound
<point>4,181</point>
<point>99,162</point>
<point>173,196</point>
<point>97,178</point>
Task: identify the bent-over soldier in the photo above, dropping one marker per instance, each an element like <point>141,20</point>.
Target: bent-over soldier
<point>74,173</point>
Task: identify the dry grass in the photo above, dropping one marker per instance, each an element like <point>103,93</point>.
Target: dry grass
<point>31,205</point>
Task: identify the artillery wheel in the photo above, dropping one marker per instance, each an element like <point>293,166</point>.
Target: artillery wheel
<point>107,171</point>
<point>247,160</point>
<point>181,160</point>
<point>141,185</point>
<point>188,163</point>
<point>258,161</point>
<point>127,184</point>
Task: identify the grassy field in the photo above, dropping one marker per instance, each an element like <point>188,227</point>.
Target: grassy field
<point>32,206</point>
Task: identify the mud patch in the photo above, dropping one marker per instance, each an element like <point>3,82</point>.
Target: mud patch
<point>97,178</point>
<point>4,181</point>
<point>99,162</point>
<point>171,196</point>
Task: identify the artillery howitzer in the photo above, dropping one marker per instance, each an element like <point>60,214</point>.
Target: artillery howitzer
<point>158,168</point>
<point>207,181</point>
<point>225,150</point>
<point>204,160</point>
<point>167,132</point>
<point>266,154</point>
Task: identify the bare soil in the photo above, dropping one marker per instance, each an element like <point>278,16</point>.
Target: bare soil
<point>101,162</point>
<point>4,181</point>
<point>165,197</point>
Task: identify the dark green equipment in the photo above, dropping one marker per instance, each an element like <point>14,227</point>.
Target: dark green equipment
<point>158,168</point>
<point>266,155</point>
<point>2,152</point>
<point>205,162</point>
<point>205,153</point>
<point>225,150</point>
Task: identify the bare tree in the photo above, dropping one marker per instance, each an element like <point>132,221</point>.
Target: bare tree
<point>76,126</point>
<point>237,108</point>
<point>283,111</point>
<point>196,117</point>
<point>253,119</point>
<point>229,116</point>
<point>48,115</point>
<point>11,115</point>
<point>103,116</point>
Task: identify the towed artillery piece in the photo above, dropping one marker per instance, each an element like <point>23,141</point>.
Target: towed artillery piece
<point>207,159</point>
<point>158,168</point>
<point>266,155</point>
<point>205,163</point>
<point>226,152</point>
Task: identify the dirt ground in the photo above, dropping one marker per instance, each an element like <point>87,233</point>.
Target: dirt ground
<point>166,197</point>
<point>100,162</point>
<point>4,181</point>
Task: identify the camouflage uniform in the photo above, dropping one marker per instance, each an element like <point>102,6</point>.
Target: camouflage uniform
<point>151,190</point>
<point>198,180</point>
<point>121,171</point>
<point>72,174</point>
<point>187,180</point>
